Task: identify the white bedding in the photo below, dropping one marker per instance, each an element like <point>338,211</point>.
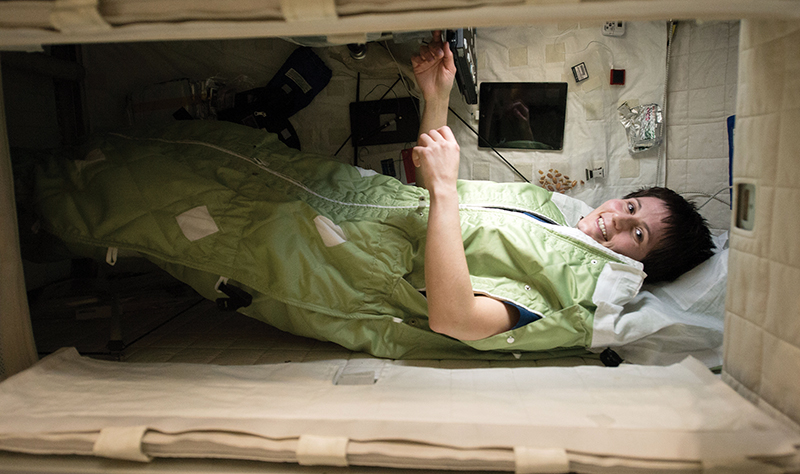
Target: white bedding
<point>680,318</point>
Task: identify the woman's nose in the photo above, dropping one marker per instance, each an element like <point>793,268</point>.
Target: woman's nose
<point>624,221</point>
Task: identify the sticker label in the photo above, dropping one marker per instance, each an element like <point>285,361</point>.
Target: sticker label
<point>299,80</point>
<point>580,72</point>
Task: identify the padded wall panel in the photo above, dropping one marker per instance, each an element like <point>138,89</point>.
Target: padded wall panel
<point>787,202</point>
<point>741,334</point>
<point>779,379</point>
<point>762,345</point>
<point>17,347</point>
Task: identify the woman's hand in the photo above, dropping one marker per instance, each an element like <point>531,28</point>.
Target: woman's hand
<point>437,156</point>
<point>434,69</point>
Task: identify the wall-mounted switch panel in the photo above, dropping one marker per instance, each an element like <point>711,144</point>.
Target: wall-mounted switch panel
<point>614,28</point>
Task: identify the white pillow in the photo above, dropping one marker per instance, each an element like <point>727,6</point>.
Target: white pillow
<point>680,318</point>
<point>695,286</point>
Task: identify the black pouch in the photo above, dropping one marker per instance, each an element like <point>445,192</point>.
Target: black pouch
<point>276,124</point>
<point>293,87</point>
<point>302,76</point>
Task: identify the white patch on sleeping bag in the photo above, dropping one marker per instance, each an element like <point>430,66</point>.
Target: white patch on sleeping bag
<point>92,157</point>
<point>365,172</point>
<point>331,233</point>
<point>197,223</point>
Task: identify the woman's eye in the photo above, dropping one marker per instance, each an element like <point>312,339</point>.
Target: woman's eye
<point>631,208</point>
<point>639,235</point>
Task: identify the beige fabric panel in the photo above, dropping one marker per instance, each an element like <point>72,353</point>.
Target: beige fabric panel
<point>762,332</point>
<point>353,7</point>
<point>130,11</point>
<point>17,349</point>
<point>22,14</point>
<point>24,23</point>
<point>525,419</point>
<point>126,11</point>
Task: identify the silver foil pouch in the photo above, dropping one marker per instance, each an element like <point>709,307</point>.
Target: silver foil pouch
<point>643,124</point>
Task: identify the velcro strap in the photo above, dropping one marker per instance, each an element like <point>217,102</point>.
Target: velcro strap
<point>121,442</point>
<point>536,460</point>
<point>222,281</point>
<point>237,298</point>
<point>77,16</point>
<point>322,451</point>
<point>111,255</point>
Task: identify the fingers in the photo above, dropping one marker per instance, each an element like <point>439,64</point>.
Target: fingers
<point>431,139</point>
<point>428,52</point>
<point>439,137</point>
<point>433,50</point>
<point>436,136</point>
<point>425,139</point>
<point>416,155</point>
<point>446,133</point>
<point>439,134</point>
<point>443,47</point>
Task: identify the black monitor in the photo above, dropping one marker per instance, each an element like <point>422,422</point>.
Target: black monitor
<point>523,115</point>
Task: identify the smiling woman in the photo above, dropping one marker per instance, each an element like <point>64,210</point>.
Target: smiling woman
<point>655,226</point>
<point>632,227</point>
<point>682,239</point>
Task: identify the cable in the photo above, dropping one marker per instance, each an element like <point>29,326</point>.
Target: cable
<point>402,77</point>
<point>387,90</point>
<point>343,144</point>
<point>661,164</point>
<point>397,65</point>
<point>712,196</point>
<point>373,90</point>
<point>601,44</point>
<point>489,145</point>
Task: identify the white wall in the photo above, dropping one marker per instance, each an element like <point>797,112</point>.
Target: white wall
<point>702,95</point>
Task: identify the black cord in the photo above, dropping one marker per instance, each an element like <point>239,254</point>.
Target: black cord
<point>488,144</point>
<point>387,90</point>
<point>343,144</point>
<point>156,328</point>
<point>183,311</point>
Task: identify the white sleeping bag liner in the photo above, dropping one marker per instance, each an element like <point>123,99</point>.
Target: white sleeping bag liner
<point>498,418</point>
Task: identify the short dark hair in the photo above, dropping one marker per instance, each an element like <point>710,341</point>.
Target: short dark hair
<point>686,241</point>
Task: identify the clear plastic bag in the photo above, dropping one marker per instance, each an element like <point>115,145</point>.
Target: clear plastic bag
<point>644,125</point>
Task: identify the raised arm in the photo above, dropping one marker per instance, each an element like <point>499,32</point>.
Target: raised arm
<point>435,70</point>
<point>453,308</point>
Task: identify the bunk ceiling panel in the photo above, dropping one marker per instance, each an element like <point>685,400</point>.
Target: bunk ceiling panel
<point>70,21</point>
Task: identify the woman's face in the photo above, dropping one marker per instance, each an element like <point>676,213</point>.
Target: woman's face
<point>631,227</point>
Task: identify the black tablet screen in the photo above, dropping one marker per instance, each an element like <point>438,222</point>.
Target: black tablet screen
<point>523,115</point>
